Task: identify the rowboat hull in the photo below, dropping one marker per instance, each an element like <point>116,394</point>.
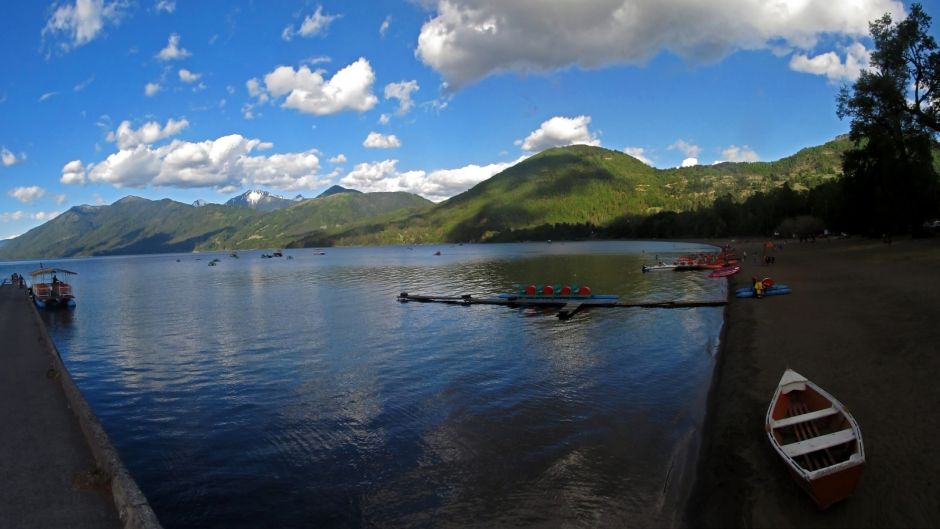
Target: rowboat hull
<point>725,272</point>
<point>817,438</point>
<point>828,490</point>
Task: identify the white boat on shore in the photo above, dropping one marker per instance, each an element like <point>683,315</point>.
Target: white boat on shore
<point>817,438</point>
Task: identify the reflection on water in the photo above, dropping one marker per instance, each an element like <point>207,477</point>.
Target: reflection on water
<point>299,393</point>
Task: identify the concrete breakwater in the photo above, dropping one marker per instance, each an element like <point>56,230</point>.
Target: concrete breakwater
<point>59,467</point>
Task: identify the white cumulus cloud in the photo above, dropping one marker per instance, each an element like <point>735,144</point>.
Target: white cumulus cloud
<point>46,215</point>
<point>20,215</point>
<point>172,51</point>
<point>223,163</point>
<point>308,92</point>
<point>857,58</point>
<point>387,23</point>
<point>558,132</point>
<point>639,153</point>
<point>435,185</point>
<point>27,194</point>
<point>9,158</point>
<point>73,173</point>
<point>740,154</point>
<point>78,23</point>
<point>381,141</point>
<point>312,25</point>
<point>467,40</point>
<point>150,132</point>
<point>689,162</point>
<point>188,77</point>
<point>167,6</point>
<point>688,149</point>
<point>402,92</point>
<point>338,159</point>
<point>151,88</point>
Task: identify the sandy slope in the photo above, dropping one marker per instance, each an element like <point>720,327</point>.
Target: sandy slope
<point>863,322</point>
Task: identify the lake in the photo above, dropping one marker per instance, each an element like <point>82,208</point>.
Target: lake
<point>299,392</point>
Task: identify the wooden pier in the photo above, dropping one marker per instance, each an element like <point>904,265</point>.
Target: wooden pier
<point>568,306</point>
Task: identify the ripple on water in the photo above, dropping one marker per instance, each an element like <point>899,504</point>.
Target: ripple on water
<point>298,392</point>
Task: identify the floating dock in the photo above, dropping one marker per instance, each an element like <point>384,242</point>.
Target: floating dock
<point>568,306</point>
<point>59,468</point>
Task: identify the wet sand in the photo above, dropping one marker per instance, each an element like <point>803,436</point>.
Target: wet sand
<point>863,322</point>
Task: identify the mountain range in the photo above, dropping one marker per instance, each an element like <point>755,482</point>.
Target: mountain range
<point>565,185</point>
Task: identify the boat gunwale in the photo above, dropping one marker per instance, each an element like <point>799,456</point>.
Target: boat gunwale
<point>858,456</point>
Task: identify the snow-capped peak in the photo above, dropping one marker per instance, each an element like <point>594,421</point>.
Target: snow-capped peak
<point>252,197</point>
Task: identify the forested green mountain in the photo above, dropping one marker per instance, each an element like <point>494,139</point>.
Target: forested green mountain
<point>134,225</point>
<point>578,186</point>
<point>129,226</point>
<point>581,184</point>
<point>326,214</point>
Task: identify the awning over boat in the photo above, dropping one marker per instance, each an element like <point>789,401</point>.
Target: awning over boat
<point>46,271</point>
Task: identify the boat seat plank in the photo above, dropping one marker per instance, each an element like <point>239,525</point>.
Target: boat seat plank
<point>815,444</point>
<point>804,417</point>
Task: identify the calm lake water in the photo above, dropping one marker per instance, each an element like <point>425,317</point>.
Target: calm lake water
<point>300,393</point>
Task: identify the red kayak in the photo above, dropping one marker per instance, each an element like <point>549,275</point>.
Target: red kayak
<point>725,272</point>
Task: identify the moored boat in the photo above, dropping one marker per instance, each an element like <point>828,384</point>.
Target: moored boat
<point>660,266</point>
<point>817,438</point>
<point>725,272</point>
<point>48,292</point>
<point>559,292</point>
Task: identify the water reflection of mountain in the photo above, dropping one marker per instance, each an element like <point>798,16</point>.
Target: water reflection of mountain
<point>293,392</point>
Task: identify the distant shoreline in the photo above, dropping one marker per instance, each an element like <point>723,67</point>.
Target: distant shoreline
<point>863,322</point>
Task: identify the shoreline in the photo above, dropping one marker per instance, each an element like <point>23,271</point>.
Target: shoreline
<point>60,464</point>
<point>863,322</point>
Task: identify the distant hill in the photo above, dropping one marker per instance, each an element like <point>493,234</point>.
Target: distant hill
<point>135,225</point>
<point>336,189</point>
<point>261,201</point>
<point>577,185</point>
<point>580,184</point>
<point>318,217</point>
<point>132,225</point>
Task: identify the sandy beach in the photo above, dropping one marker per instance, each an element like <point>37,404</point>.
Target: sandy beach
<point>863,322</point>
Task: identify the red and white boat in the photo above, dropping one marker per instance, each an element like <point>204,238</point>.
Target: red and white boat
<point>725,272</point>
<point>817,438</point>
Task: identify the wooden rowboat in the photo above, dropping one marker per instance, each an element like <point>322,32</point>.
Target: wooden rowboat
<point>725,272</point>
<point>817,438</point>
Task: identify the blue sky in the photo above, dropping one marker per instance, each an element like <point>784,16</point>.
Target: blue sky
<point>188,99</point>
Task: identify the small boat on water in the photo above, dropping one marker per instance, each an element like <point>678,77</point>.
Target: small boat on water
<point>817,438</point>
<point>48,291</point>
<point>659,266</point>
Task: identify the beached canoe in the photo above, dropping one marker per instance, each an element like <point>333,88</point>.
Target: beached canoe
<point>725,272</point>
<point>817,438</point>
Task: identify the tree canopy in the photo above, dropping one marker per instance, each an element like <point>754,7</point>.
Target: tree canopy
<point>890,180</point>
